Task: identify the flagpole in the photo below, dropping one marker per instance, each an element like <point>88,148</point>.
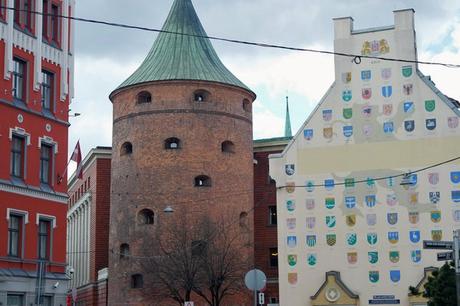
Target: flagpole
<point>61,177</point>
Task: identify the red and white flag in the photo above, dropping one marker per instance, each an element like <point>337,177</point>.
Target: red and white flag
<point>76,157</point>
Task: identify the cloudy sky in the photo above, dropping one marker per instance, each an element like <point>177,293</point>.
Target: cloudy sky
<point>106,56</point>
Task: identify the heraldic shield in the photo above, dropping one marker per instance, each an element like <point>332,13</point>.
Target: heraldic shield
<point>350,220</point>
<point>395,275</point>
<point>331,239</point>
<point>374,276</point>
<point>373,257</point>
<point>394,256</point>
<point>352,257</point>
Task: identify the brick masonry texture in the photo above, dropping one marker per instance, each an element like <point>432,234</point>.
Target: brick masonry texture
<point>152,177</point>
<point>265,235</point>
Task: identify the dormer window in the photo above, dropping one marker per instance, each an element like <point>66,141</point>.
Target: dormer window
<point>172,143</point>
<point>144,97</point>
<point>201,96</point>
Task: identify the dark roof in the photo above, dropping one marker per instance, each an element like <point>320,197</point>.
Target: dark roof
<point>182,57</point>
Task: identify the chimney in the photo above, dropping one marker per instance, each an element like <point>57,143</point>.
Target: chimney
<point>404,19</point>
<point>343,27</point>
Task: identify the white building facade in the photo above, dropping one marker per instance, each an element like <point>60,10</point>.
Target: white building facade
<point>348,232</point>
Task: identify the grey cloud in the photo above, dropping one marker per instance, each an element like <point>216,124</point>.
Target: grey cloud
<point>291,22</point>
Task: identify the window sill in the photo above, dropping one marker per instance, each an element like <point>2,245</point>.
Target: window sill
<point>24,30</point>
<point>18,181</point>
<point>19,103</point>
<point>51,43</point>
<point>46,187</point>
<point>47,113</point>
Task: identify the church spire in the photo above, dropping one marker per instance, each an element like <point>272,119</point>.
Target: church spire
<point>287,124</point>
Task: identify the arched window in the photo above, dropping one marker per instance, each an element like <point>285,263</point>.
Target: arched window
<point>202,181</point>
<point>137,281</point>
<point>228,146</point>
<point>246,105</point>
<point>126,148</point>
<point>146,216</point>
<point>144,97</point>
<point>201,96</point>
<point>124,250</point>
<point>172,143</point>
<point>244,219</point>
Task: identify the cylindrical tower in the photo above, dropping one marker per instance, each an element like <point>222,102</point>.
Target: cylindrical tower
<point>182,138</point>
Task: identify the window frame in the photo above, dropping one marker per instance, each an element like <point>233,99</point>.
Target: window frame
<point>137,281</point>
<point>272,257</point>
<point>207,182</point>
<point>170,141</point>
<point>3,10</point>
<point>50,164</point>
<point>144,97</point>
<point>55,24</point>
<point>21,297</point>
<point>22,158</point>
<point>24,19</point>
<point>48,242</point>
<point>49,88</point>
<point>19,78</point>
<point>272,215</point>
<point>19,235</point>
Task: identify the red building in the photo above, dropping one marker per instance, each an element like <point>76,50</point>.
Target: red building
<point>265,215</point>
<point>88,228</point>
<point>36,69</point>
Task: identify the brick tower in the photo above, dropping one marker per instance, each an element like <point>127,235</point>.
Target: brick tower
<point>182,139</point>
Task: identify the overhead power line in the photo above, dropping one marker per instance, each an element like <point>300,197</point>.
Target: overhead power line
<point>405,174</point>
<point>356,58</point>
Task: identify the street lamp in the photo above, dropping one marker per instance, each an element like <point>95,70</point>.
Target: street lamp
<point>168,210</point>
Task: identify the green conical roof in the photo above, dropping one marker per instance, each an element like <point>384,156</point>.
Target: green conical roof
<point>181,57</point>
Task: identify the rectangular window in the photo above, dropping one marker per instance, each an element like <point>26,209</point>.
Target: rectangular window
<point>44,239</point>
<point>55,28</point>
<point>17,157</point>
<point>14,236</point>
<point>47,90</point>
<point>23,16</point>
<point>45,19</point>
<point>15,300</point>
<point>273,257</point>
<point>272,216</point>
<point>17,13</point>
<point>28,16</point>
<point>46,163</point>
<point>19,79</point>
<point>3,10</point>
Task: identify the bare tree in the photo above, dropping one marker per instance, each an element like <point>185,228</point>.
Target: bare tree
<point>204,257</point>
<point>172,265</point>
<point>224,258</point>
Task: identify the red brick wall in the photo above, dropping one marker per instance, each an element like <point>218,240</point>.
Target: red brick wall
<point>101,232</point>
<point>265,235</point>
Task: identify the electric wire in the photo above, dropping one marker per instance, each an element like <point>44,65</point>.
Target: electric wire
<point>405,174</point>
<point>355,57</point>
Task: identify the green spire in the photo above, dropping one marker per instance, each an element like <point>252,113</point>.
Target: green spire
<point>181,57</point>
<point>287,124</point>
